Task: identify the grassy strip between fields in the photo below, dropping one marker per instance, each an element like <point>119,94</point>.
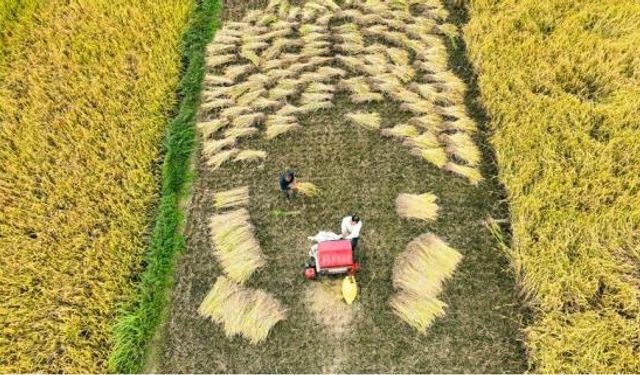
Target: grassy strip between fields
<point>137,324</point>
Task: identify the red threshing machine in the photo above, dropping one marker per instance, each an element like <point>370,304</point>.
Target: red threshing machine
<point>330,257</point>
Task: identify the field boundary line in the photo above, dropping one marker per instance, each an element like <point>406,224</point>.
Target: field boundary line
<point>136,323</point>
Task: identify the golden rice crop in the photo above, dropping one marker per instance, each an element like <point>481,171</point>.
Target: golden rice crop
<point>561,83</point>
<point>84,97</point>
<point>417,206</point>
<point>231,198</point>
<point>235,245</point>
<point>367,120</point>
<point>307,188</point>
<point>242,311</point>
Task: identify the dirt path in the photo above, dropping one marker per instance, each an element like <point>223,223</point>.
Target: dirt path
<point>356,170</point>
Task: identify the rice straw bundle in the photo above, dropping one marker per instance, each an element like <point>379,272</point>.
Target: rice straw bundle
<point>375,30</point>
<point>373,70</point>
<point>462,147</point>
<point>235,245</point>
<point>315,106</point>
<point>245,121</point>
<point>311,51</point>
<point>250,155</point>
<point>367,120</point>
<point>247,312</point>
<point>401,131</point>
<point>395,37</point>
<point>431,66</point>
<point>424,140</point>
<point>350,48</point>
<point>394,23</point>
<point>254,45</point>
<point>455,111</point>
<point>331,71</point>
<point>307,98</point>
<point>214,104</point>
<point>275,130</point>
<point>406,96</point>
<point>318,60</point>
<point>216,80</point>
<point>274,64</point>
<point>366,98</point>
<point>346,28</point>
<point>262,103</point>
<point>448,81</point>
<point>231,198</point>
<point>224,38</point>
<point>386,82</point>
<point>434,155</point>
<point>250,55</point>
<point>307,188</point>
<point>471,173</point>
<point>235,71</point>
<point>309,28</point>
<point>430,121</point>
<point>213,146</point>
<point>240,132</point>
<point>350,38</point>
<point>419,273</point>
<point>288,110</point>
<point>232,112</point>
<point>319,87</point>
<point>398,56</point>
<point>278,74</point>
<point>208,128</point>
<point>448,30</point>
<point>419,313</point>
<point>426,90</point>
<point>419,108</point>
<point>464,124</point>
<point>376,58</point>
<point>219,49</point>
<point>216,160</point>
<point>215,92</point>
<point>417,206</point>
<point>284,88</point>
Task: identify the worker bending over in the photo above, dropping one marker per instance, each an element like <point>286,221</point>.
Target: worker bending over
<point>351,226</point>
<point>288,183</point>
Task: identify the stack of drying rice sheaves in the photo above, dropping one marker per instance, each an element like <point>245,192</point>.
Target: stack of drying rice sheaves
<point>417,206</point>
<point>418,274</point>
<point>247,312</point>
<point>231,198</point>
<point>235,245</point>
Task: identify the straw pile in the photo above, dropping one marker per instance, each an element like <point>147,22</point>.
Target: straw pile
<point>417,206</point>
<point>308,189</point>
<point>418,274</point>
<point>325,302</point>
<point>242,311</point>
<point>231,198</point>
<point>235,246</point>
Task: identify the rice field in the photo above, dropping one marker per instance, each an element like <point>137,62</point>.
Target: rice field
<point>365,108</point>
<point>561,82</point>
<point>86,88</point>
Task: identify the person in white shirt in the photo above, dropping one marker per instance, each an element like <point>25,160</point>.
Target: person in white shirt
<point>351,226</point>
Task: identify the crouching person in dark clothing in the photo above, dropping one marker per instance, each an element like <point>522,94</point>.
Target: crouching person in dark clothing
<point>288,184</point>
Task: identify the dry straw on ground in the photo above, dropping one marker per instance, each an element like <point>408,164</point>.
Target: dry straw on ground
<point>231,198</point>
<point>417,206</point>
<point>242,311</point>
<point>418,274</point>
<point>308,189</point>
<point>324,300</point>
<point>235,245</point>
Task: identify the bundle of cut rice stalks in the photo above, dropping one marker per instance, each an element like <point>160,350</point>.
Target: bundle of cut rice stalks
<point>401,131</point>
<point>461,146</point>
<point>247,312</point>
<point>215,160</point>
<point>308,189</point>
<point>434,155</point>
<point>419,273</point>
<point>471,173</point>
<point>231,198</point>
<point>250,155</point>
<point>209,128</point>
<point>417,206</point>
<point>235,246</point>
<point>366,120</point>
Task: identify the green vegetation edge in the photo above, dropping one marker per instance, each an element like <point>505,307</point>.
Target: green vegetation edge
<point>136,324</point>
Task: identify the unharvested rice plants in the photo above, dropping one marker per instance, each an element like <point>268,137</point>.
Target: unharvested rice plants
<point>561,81</point>
<point>84,97</point>
<point>284,62</point>
<point>242,311</point>
<point>418,274</point>
<point>417,206</point>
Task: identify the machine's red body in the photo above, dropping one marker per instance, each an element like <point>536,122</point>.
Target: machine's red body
<point>331,257</point>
